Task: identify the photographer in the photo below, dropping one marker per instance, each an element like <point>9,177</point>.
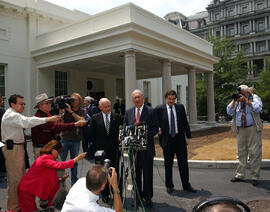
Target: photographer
<point>247,125</point>
<point>84,194</point>
<point>71,138</point>
<point>44,133</point>
<point>41,179</point>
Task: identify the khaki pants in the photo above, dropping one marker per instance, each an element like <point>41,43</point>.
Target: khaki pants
<point>15,165</point>
<point>249,144</point>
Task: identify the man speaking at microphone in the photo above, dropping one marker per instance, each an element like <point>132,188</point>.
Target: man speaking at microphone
<point>144,161</point>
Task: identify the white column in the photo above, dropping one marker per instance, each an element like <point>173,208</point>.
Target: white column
<point>192,96</point>
<point>265,23</point>
<point>130,76</point>
<point>210,98</point>
<point>166,76</point>
<point>221,31</point>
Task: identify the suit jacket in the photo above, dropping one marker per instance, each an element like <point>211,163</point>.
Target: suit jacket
<point>98,135</point>
<point>149,118</point>
<point>41,179</point>
<point>163,122</point>
<point>92,109</point>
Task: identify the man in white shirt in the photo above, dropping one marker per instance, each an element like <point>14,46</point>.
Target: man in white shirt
<point>13,123</point>
<point>84,194</point>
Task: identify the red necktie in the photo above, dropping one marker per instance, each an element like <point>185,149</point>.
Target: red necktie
<point>138,115</point>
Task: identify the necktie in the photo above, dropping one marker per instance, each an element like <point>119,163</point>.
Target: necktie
<point>172,122</point>
<point>138,115</point>
<point>243,114</point>
<point>107,125</point>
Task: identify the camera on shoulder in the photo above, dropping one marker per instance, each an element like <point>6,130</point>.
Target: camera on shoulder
<point>237,95</point>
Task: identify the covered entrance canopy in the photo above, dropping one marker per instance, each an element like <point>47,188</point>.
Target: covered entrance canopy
<point>128,42</point>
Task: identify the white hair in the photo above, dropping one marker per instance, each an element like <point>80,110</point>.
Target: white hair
<point>244,87</point>
<point>102,100</point>
<point>136,91</point>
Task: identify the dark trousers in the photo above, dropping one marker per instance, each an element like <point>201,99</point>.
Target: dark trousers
<point>176,145</point>
<point>144,174</point>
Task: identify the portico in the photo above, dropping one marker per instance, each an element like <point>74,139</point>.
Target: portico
<point>127,43</point>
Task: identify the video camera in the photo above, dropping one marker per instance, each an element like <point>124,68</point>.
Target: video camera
<point>60,103</point>
<point>237,95</point>
<point>62,100</point>
<point>100,159</point>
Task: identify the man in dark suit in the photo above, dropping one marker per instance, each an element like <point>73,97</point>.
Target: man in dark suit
<point>144,160</point>
<point>173,134</point>
<point>104,132</point>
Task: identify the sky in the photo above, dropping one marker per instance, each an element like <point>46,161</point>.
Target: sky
<point>158,7</point>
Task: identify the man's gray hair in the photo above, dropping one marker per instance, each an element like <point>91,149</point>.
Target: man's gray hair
<point>244,87</point>
<point>89,99</point>
<point>137,91</point>
<point>103,100</point>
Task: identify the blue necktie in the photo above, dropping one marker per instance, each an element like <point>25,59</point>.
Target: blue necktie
<point>172,123</point>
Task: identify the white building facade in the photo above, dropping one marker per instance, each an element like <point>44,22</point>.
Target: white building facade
<point>47,48</point>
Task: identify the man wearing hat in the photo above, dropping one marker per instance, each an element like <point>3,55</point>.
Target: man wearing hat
<point>44,133</point>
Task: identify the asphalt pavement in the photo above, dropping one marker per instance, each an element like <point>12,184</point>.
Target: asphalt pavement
<point>208,182</point>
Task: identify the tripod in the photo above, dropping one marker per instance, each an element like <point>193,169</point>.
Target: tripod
<point>127,170</point>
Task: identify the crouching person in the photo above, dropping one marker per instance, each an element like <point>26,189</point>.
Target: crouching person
<point>41,179</point>
<point>84,194</point>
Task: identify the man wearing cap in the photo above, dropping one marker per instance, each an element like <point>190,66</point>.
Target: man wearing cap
<point>13,123</point>
<point>44,133</point>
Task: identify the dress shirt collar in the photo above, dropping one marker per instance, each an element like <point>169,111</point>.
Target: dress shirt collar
<point>104,115</point>
<point>168,106</point>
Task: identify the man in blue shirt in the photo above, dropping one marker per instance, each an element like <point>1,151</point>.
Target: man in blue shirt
<point>244,112</point>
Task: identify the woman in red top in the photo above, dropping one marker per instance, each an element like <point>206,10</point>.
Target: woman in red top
<point>41,179</point>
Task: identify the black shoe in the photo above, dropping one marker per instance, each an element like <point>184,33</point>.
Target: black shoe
<point>169,190</point>
<point>190,189</point>
<point>149,203</point>
<point>254,182</point>
<point>235,179</point>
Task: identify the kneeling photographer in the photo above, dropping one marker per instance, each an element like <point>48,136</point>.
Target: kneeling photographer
<point>84,194</point>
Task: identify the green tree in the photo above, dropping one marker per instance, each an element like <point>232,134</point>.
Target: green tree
<point>263,88</point>
<point>229,72</point>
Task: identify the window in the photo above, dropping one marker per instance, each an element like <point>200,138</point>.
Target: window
<point>120,88</point>
<point>60,83</point>
<point>217,33</point>
<point>260,5</point>
<point>245,29</point>
<point>230,30</point>
<point>178,93</point>
<point>257,67</point>
<point>246,48</point>
<point>2,80</point>
<point>244,8</point>
<point>260,46</point>
<point>217,16</point>
<point>147,90</point>
<point>260,25</point>
<point>230,11</point>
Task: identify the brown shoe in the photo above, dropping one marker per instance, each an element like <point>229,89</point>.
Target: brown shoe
<point>235,179</point>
